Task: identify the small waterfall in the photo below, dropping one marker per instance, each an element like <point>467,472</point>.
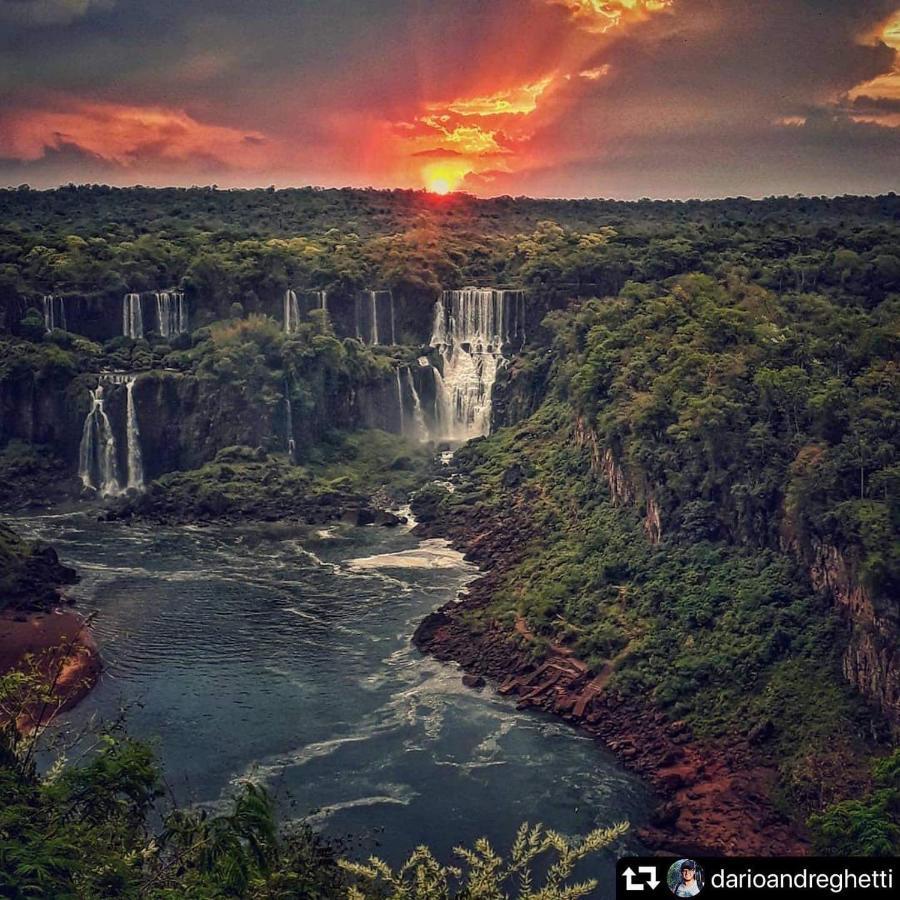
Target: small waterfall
<point>373,305</point>
<point>133,436</point>
<point>323,301</point>
<point>171,313</point>
<point>443,419</point>
<point>400,401</point>
<point>290,443</point>
<point>471,328</point>
<point>132,316</point>
<point>291,312</point>
<point>54,313</point>
<point>376,333</point>
<point>421,428</point>
<point>98,465</point>
<point>356,318</point>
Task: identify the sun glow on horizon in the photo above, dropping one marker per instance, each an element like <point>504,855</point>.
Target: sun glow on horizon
<point>445,176</point>
<point>439,186</point>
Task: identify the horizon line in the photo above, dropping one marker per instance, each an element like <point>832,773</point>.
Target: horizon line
<point>438,199</point>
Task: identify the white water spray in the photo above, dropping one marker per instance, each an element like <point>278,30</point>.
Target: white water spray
<point>171,313</point>
<point>97,460</point>
<point>291,312</point>
<point>54,313</point>
<point>471,329</point>
<point>133,437</point>
<point>421,428</point>
<point>132,316</point>
<point>373,305</point>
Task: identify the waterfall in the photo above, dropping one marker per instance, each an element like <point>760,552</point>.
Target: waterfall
<point>291,312</point>
<point>289,423</point>
<point>98,456</point>
<point>400,400</point>
<point>133,435</point>
<point>421,429</point>
<point>471,328</point>
<point>373,302</point>
<point>54,313</point>
<point>132,316</point>
<point>375,332</point>
<point>171,313</point>
<point>182,314</point>
<point>323,301</point>
<point>356,318</point>
<point>97,461</point>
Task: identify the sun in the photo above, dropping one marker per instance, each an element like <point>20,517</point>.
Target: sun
<point>444,176</point>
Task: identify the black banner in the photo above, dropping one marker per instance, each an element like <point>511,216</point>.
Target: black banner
<point>793,878</point>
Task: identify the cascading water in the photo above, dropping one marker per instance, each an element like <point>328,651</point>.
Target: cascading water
<point>289,423</point>
<point>54,313</point>
<point>171,313</point>
<point>421,428</point>
<point>471,329</point>
<point>373,305</point>
<point>98,455</point>
<point>400,401</point>
<point>98,464</point>
<point>132,316</point>
<point>369,310</point>
<point>133,435</point>
<point>291,312</point>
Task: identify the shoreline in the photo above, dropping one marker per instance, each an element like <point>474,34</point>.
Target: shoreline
<point>61,647</point>
<point>714,799</point>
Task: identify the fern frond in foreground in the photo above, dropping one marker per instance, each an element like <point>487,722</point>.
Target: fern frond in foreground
<point>483,874</point>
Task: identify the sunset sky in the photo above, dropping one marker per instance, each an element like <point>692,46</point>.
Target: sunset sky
<point>573,98</point>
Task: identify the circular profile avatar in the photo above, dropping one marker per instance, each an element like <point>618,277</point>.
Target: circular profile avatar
<point>685,878</point>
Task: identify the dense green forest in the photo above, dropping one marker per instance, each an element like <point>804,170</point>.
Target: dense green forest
<point>245,246</point>
<point>702,433</point>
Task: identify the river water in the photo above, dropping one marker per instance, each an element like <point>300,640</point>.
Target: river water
<point>285,657</point>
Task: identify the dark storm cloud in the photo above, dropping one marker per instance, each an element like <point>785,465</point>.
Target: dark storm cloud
<point>708,97</point>
<point>713,99</point>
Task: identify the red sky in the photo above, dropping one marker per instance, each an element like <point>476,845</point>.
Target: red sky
<point>616,98</point>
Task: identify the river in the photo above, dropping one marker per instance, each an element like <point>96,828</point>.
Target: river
<point>284,656</point>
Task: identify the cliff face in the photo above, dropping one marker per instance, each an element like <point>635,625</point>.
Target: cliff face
<point>624,489</point>
<point>871,659</point>
<point>43,409</point>
<point>519,390</point>
<point>184,419</point>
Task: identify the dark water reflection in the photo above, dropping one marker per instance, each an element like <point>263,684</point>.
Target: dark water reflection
<point>247,654</point>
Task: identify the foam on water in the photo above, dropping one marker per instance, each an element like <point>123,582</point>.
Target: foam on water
<point>288,660</point>
<point>434,553</point>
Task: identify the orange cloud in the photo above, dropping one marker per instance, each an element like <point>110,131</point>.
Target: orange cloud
<point>885,87</point>
<point>595,74</point>
<point>520,100</point>
<point>127,134</point>
<point>600,16</point>
<point>469,133</point>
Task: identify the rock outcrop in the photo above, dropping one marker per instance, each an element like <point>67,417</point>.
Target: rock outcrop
<point>714,799</point>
